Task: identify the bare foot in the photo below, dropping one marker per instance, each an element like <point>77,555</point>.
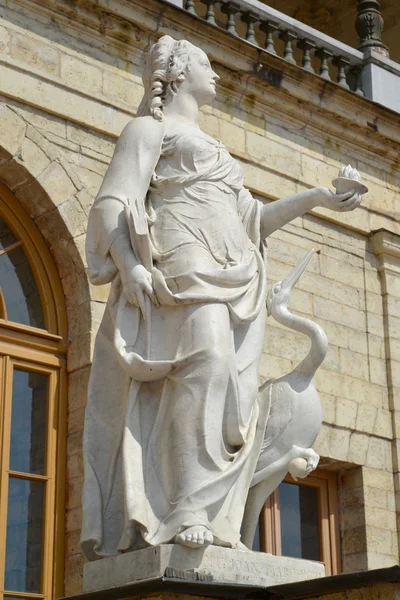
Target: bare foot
<point>197,536</point>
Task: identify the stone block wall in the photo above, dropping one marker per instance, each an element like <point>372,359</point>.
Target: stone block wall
<point>69,82</point>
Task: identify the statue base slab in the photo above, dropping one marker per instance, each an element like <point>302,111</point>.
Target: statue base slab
<point>212,564</point>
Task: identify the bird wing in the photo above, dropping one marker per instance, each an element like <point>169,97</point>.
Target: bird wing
<point>280,413</point>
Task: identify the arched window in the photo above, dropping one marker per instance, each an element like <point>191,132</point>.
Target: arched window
<point>32,410</point>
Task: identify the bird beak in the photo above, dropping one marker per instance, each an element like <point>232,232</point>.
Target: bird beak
<point>290,281</point>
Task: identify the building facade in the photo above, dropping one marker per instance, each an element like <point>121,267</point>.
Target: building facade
<point>293,106</point>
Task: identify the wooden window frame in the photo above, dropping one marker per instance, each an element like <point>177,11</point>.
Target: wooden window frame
<point>42,351</point>
<point>42,265</point>
<point>326,484</point>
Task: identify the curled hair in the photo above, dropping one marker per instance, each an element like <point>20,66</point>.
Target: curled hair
<point>164,68</point>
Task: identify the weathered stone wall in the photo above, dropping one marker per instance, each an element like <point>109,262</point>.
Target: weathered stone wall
<point>69,79</point>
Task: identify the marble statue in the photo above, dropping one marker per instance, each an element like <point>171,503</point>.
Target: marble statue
<point>295,412</point>
<point>174,424</point>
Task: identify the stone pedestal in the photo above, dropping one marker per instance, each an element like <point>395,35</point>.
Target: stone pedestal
<point>212,564</point>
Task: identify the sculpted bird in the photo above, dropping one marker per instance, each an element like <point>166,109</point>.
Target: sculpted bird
<point>295,414</point>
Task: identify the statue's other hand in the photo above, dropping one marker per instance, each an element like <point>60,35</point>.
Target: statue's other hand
<point>136,283</point>
<point>338,202</point>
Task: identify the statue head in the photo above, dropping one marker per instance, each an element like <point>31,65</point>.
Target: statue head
<point>171,65</point>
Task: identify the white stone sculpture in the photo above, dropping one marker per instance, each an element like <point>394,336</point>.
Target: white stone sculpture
<point>174,424</point>
<point>295,413</point>
<point>349,180</point>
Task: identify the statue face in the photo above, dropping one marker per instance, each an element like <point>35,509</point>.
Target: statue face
<point>200,79</point>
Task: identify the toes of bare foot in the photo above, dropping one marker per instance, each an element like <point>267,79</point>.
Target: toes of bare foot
<point>195,537</point>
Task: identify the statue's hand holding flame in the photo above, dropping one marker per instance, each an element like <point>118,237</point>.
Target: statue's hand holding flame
<point>349,190</point>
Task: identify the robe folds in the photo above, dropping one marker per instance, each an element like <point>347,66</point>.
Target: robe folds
<point>173,426</point>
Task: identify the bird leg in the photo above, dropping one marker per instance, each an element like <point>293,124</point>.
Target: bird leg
<point>264,482</point>
<point>256,498</point>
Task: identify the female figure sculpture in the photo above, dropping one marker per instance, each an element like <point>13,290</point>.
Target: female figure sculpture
<point>173,425</point>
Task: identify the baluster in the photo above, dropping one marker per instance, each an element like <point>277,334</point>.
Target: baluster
<point>210,15</point>
<point>251,19</point>
<point>341,62</point>
<point>324,56</point>
<point>288,37</point>
<point>357,80</point>
<point>190,7</point>
<point>306,46</point>
<point>230,10</point>
<point>269,28</point>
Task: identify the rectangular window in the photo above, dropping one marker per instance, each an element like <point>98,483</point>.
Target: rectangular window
<point>24,535</point>
<point>28,422</point>
<point>28,405</point>
<point>300,519</point>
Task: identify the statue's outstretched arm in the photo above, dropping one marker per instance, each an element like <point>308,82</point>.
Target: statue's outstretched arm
<point>275,215</point>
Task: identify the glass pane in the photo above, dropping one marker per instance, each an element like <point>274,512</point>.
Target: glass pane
<point>19,289</point>
<point>299,521</point>
<point>6,237</point>
<point>24,535</point>
<point>28,422</point>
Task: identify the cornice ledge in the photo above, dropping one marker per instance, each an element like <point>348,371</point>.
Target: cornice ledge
<point>346,115</point>
<point>385,243</point>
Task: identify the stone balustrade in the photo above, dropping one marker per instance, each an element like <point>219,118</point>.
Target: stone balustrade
<point>284,36</point>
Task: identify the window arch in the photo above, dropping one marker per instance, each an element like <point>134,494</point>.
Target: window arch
<point>32,410</point>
